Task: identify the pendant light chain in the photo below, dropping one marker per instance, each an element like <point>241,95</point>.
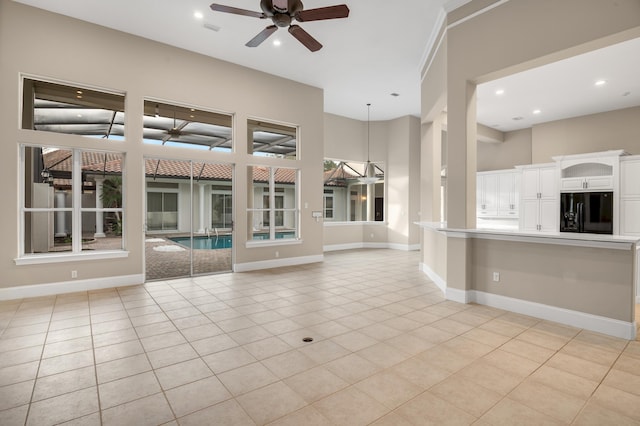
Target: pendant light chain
<point>368,131</point>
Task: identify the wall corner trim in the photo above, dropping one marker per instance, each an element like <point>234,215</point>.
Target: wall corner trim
<point>437,279</point>
<point>38,290</point>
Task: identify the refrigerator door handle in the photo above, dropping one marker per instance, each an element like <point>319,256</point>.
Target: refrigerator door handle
<point>580,218</point>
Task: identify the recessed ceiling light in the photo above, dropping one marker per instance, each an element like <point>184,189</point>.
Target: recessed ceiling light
<point>500,92</point>
<point>536,111</point>
<point>394,94</point>
<point>198,15</point>
<point>277,42</point>
<point>518,118</point>
<point>601,82</point>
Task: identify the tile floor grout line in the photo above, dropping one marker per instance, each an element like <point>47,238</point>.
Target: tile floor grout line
<point>35,381</point>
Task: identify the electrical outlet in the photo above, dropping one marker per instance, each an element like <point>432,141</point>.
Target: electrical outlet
<point>74,274</point>
<point>277,254</point>
<point>496,276</point>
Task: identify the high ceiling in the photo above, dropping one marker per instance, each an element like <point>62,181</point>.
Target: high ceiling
<point>376,52</point>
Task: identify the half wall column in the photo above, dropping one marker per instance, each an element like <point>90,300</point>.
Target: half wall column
<point>461,184</point>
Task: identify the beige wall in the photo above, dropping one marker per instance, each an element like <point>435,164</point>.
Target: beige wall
<point>434,252</point>
<point>514,151</point>
<point>590,133</point>
<point>595,281</point>
<point>395,143</point>
<point>610,130</point>
<point>51,46</point>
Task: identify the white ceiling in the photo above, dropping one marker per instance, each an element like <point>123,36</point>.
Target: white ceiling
<point>378,50</point>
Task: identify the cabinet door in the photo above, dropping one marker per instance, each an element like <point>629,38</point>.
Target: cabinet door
<point>548,183</point>
<point>529,213</point>
<point>530,183</point>
<point>505,186</point>
<point>599,182</point>
<point>630,179</point>
<point>572,184</point>
<point>549,215</point>
<point>515,196</point>
<point>630,217</point>
<point>489,206</point>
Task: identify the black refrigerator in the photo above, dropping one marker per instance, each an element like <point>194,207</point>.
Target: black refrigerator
<point>589,212</point>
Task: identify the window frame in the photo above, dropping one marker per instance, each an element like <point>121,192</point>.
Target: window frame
<point>77,210</point>
<point>353,207</point>
<point>273,191</point>
<point>160,190</point>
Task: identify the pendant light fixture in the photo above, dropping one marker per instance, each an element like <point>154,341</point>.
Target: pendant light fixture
<point>369,177</point>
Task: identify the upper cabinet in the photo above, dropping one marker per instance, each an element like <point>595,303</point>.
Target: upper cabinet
<point>497,194</point>
<point>597,171</point>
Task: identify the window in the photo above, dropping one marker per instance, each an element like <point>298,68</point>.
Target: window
<point>162,210</point>
<point>346,198</point>
<point>72,110</point>
<point>328,204</point>
<point>273,212</point>
<point>172,125</point>
<point>72,200</point>
<point>273,140</point>
<point>221,208</point>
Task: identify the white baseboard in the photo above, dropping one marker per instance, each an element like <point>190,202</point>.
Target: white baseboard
<point>361,245</point>
<point>403,247</point>
<point>437,279</point>
<point>600,324</point>
<point>276,263</point>
<point>457,295</point>
<point>38,290</point>
<point>348,246</point>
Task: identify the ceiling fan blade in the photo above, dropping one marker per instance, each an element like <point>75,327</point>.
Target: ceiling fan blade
<point>305,38</point>
<point>228,9</point>
<point>262,36</point>
<point>330,12</point>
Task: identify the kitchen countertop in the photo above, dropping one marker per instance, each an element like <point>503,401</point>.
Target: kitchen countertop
<point>620,242</point>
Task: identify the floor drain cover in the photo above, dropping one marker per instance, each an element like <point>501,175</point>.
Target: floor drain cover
<point>307,339</point>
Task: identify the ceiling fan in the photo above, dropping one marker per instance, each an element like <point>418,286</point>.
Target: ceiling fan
<point>282,13</point>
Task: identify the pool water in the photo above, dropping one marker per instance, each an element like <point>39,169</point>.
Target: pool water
<point>221,242</point>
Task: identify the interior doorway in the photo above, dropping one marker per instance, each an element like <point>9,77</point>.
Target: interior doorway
<point>189,218</point>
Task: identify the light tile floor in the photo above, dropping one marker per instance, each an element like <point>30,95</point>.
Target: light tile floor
<point>228,350</point>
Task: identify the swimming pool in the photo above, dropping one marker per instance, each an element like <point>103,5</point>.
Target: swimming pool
<point>223,241</point>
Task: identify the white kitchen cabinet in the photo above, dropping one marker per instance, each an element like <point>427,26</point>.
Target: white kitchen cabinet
<point>508,194</point>
<point>497,194</point>
<point>539,206</point>
<point>592,183</point>
<point>630,196</point>
<point>486,195</point>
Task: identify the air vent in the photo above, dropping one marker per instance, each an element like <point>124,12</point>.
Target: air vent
<point>211,27</point>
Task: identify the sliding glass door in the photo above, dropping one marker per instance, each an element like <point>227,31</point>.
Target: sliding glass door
<point>189,218</point>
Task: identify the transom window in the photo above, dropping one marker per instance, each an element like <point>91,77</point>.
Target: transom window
<point>74,110</point>
<point>272,140</point>
<point>186,127</point>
